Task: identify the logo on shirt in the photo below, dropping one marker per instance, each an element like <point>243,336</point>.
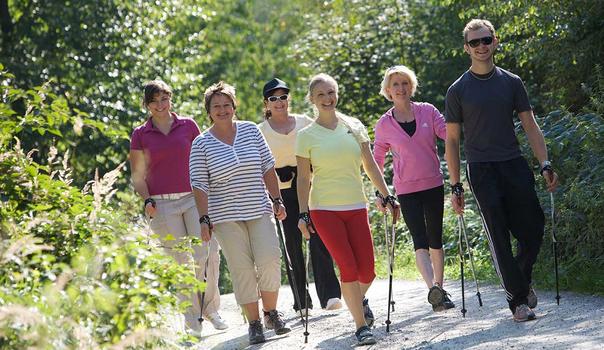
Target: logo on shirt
<point>424,125</point>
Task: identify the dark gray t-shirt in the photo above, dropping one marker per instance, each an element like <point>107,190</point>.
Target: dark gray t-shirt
<point>486,109</point>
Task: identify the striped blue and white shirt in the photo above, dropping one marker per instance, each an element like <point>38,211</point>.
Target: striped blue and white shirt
<point>232,176</point>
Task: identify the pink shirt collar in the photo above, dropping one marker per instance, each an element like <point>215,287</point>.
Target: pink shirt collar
<point>148,126</point>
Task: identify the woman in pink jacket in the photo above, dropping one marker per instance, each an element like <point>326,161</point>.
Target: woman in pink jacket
<point>409,131</point>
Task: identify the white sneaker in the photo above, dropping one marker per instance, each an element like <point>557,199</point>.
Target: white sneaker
<point>302,312</point>
<point>333,304</point>
<point>216,321</point>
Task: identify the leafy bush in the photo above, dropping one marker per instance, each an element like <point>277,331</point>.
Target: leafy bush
<point>76,272</point>
<point>576,147</point>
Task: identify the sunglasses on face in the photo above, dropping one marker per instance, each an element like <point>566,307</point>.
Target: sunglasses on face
<point>277,98</point>
<point>487,40</point>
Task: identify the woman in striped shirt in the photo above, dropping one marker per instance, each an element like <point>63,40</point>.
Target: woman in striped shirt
<point>231,168</point>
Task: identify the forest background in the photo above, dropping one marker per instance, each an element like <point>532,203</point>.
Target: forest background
<point>78,267</point>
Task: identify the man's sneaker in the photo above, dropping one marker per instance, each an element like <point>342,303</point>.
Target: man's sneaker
<point>436,296</point>
<point>216,321</point>
<point>532,298</point>
<point>523,313</point>
<point>364,336</point>
<point>255,333</point>
<point>275,321</point>
<point>369,319</point>
<point>446,304</point>
<point>333,304</point>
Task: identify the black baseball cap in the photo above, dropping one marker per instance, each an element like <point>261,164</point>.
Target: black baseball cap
<point>273,85</point>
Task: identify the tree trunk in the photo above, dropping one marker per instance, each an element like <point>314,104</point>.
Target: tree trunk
<point>6,22</point>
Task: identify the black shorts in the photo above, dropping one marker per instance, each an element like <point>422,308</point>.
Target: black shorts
<point>423,214</point>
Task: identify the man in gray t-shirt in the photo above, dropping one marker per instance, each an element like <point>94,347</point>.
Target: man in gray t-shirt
<point>483,102</point>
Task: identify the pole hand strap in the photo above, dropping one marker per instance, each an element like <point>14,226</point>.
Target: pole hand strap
<point>457,189</point>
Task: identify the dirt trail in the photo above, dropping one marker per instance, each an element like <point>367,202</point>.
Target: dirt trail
<point>578,323</point>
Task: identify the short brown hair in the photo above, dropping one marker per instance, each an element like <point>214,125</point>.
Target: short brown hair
<point>476,24</point>
<point>152,88</point>
<point>221,88</point>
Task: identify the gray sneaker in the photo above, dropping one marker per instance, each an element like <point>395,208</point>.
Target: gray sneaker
<point>364,336</point>
<point>523,313</point>
<point>255,333</point>
<point>275,321</point>
<point>532,298</point>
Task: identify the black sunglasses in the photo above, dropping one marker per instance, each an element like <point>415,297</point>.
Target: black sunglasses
<point>487,40</point>
<point>276,98</point>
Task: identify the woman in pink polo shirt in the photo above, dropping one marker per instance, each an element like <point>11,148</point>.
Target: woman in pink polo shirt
<point>409,130</point>
<point>159,158</point>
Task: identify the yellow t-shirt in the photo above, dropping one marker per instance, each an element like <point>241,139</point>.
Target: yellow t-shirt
<point>335,156</point>
<point>283,146</point>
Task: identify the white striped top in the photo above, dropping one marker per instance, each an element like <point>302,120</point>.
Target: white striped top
<point>232,176</point>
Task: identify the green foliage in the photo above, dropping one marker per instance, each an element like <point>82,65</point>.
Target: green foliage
<point>76,273</point>
<point>99,54</point>
<point>576,148</point>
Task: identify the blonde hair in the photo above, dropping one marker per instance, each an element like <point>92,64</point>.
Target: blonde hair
<point>320,78</point>
<point>356,128</point>
<point>402,70</point>
<point>476,24</point>
<point>220,88</point>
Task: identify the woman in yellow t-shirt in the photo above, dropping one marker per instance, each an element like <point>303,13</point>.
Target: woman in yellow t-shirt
<point>280,129</point>
<point>336,146</point>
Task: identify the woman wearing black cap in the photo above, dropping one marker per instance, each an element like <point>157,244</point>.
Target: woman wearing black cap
<point>280,129</point>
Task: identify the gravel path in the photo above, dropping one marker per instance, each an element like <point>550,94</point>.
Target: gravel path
<point>578,323</point>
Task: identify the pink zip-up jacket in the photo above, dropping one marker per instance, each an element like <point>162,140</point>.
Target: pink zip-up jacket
<point>415,158</point>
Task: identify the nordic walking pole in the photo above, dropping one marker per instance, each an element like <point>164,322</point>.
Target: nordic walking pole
<point>555,246</point>
<point>288,267</point>
<point>201,296</point>
<point>390,249</point>
<point>306,297</point>
<point>461,262</point>
<point>465,235</point>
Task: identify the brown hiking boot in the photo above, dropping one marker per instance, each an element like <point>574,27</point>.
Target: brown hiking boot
<point>523,313</point>
<point>275,321</point>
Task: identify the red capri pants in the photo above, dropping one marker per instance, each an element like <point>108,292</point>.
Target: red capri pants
<point>347,236</point>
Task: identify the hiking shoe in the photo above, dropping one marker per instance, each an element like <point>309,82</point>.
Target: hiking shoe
<point>333,304</point>
<point>445,304</point>
<point>532,298</point>
<point>275,321</point>
<point>216,321</point>
<point>523,313</point>
<point>369,319</point>
<point>255,333</point>
<point>436,296</point>
<point>364,336</point>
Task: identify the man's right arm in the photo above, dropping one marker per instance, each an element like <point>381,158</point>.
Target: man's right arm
<point>452,151</point>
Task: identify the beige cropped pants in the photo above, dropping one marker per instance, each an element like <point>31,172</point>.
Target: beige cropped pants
<point>252,252</point>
